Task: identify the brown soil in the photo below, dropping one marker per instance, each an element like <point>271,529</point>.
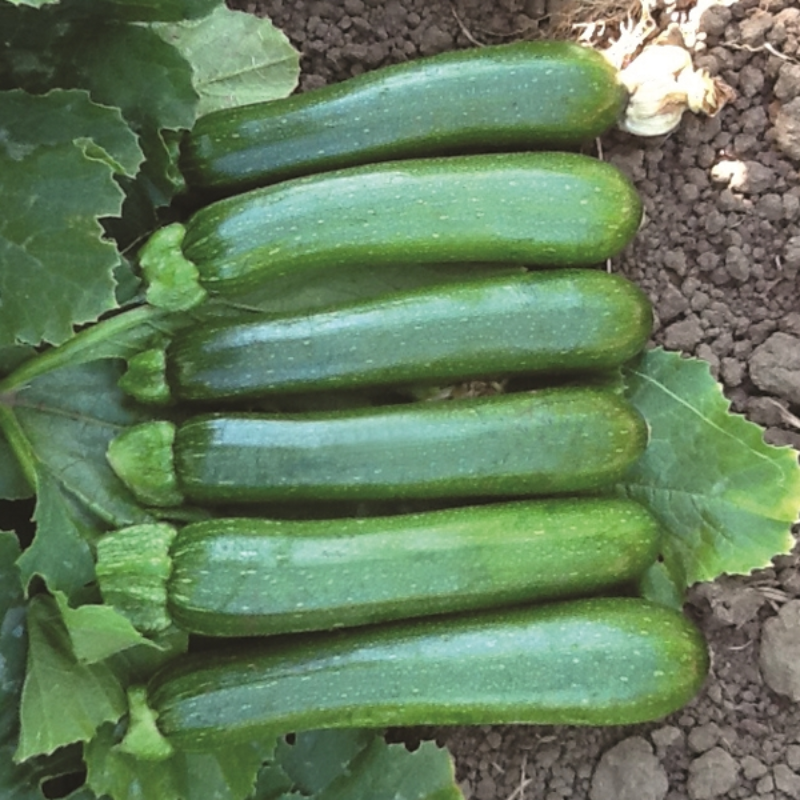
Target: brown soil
<point>719,258</point>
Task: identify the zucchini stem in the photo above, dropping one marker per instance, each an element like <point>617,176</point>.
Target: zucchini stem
<point>142,458</point>
<point>133,566</point>
<point>143,739</point>
<point>173,282</point>
<point>146,377</point>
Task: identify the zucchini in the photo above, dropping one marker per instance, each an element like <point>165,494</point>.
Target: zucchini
<point>521,96</point>
<point>564,321</point>
<point>597,661</point>
<point>558,440</point>
<point>259,577</point>
<point>542,209</point>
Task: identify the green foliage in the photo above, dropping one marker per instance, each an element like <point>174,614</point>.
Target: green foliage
<point>64,420</point>
<point>225,773</point>
<point>86,695</point>
<point>97,632</point>
<point>356,765</point>
<point>94,95</point>
<point>59,155</point>
<point>254,63</point>
<point>727,499</point>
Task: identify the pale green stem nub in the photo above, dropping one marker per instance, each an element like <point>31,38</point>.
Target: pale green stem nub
<point>143,460</point>
<point>173,282</point>
<point>146,378</point>
<point>143,739</point>
<point>133,567</point>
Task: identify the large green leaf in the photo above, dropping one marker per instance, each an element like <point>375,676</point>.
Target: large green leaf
<point>63,700</point>
<point>17,782</point>
<point>132,68</point>
<point>98,632</point>
<point>60,552</point>
<point>122,65</point>
<point>152,73</point>
<point>69,416</point>
<point>62,422</point>
<point>59,154</point>
<point>237,58</point>
<point>28,47</point>
<point>726,499</point>
<point>356,765</point>
<point>59,411</point>
<point>224,774</point>
<point>315,759</point>
<point>71,118</point>
<point>385,772</point>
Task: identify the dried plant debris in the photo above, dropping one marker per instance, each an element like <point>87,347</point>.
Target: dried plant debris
<point>663,84</point>
<point>649,41</point>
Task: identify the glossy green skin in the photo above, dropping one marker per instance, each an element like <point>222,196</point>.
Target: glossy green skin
<point>539,322</point>
<point>258,577</point>
<point>598,661</point>
<point>552,441</point>
<point>522,96</point>
<point>547,209</point>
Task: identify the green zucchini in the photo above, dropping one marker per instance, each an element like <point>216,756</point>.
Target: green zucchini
<point>259,577</point>
<point>564,321</point>
<point>542,209</point>
<point>597,661</point>
<point>559,440</point>
<point>521,96</point>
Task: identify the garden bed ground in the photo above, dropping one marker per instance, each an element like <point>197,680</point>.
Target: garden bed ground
<point>719,256</point>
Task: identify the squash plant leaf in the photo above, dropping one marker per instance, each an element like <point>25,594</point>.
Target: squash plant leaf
<point>726,498</point>
<point>86,695</point>
<point>61,422</point>
<point>154,188</point>
<point>132,68</point>
<point>17,781</point>
<point>59,154</point>
<point>238,58</point>
<point>356,765</point>
<point>384,771</point>
<point>60,552</point>
<point>98,632</point>
<point>228,773</point>
<point>122,65</point>
<point>314,759</point>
